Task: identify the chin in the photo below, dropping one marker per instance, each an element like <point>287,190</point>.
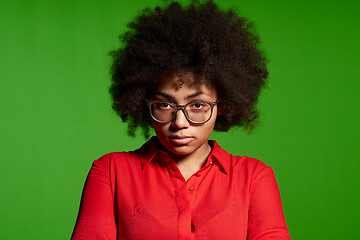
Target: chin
<point>180,150</point>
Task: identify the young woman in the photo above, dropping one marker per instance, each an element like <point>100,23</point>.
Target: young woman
<point>184,71</point>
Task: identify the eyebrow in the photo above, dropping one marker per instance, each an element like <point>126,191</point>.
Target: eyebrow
<point>198,93</point>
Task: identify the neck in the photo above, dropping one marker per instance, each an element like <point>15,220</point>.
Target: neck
<point>191,163</point>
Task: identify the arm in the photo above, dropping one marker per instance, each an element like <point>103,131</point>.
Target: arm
<point>96,218</point>
<point>266,217</point>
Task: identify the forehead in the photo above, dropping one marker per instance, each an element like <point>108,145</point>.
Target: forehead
<point>183,83</point>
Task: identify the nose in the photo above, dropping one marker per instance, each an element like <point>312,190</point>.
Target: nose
<point>180,120</point>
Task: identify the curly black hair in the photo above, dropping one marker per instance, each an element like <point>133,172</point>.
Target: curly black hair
<point>198,37</point>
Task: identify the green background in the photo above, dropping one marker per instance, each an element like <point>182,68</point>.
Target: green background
<point>56,116</point>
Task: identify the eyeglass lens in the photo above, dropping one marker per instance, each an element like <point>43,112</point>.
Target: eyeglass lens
<point>196,111</point>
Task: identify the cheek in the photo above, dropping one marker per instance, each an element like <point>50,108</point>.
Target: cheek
<point>159,129</point>
<point>210,128</point>
<point>207,129</point>
<point>155,125</point>
<point>212,120</point>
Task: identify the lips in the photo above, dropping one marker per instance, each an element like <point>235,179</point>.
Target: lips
<point>180,140</point>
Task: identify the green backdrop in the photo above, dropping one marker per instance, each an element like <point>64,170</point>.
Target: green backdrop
<point>56,116</point>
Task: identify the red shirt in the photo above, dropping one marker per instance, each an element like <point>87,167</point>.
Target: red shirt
<point>142,195</point>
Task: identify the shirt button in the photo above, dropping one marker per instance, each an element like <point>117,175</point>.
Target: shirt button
<point>210,162</point>
<point>191,188</point>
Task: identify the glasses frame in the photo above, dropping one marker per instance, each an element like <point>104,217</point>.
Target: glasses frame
<point>182,107</point>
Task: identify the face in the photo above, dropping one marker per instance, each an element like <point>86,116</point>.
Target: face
<point>180,136</point>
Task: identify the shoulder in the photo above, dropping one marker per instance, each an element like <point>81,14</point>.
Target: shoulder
<point>247,163</point>
<point>237,164</point>
<point>251,171</point>
<point>122,161</point>
<point>112,159</point>
<point>254,168</point>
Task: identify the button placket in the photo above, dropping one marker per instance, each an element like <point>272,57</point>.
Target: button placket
<point>191,183</point>
<point>192,186</point>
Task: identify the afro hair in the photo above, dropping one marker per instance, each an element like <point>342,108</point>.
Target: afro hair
<point>198,37</point>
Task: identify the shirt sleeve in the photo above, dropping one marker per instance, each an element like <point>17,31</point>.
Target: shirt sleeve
<point>96,218</point>
<point>266,217</point>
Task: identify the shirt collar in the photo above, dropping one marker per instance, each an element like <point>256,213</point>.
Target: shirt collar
<point>153,148</point>
<point>220,156</point>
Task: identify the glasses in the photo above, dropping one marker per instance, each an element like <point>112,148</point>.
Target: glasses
<point>197,112</point>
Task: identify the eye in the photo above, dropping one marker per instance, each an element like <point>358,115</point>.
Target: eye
<point>164,105</point>
<point>197,105</point>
